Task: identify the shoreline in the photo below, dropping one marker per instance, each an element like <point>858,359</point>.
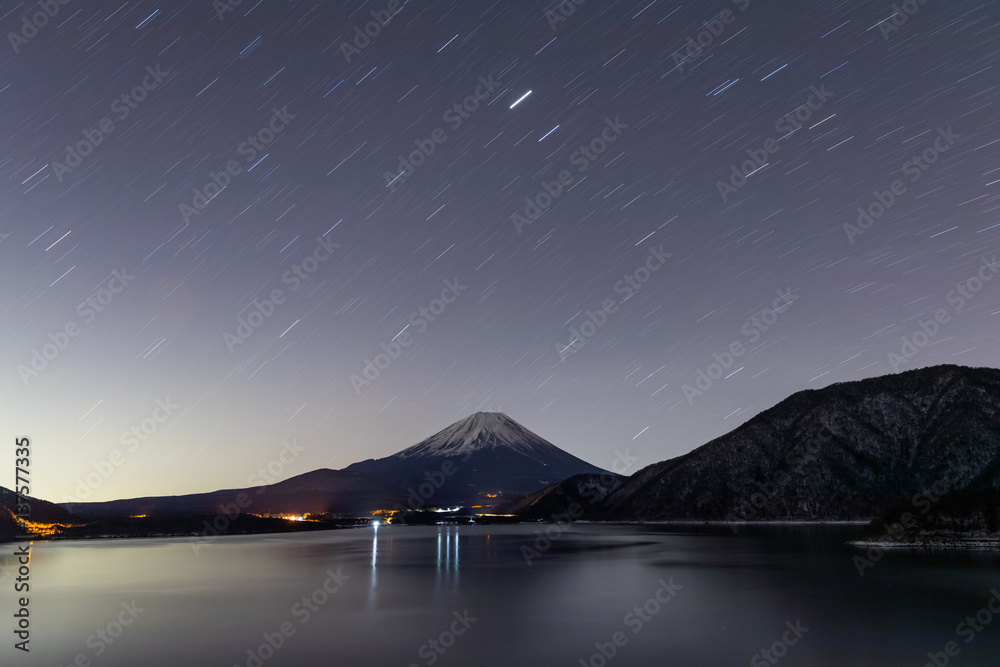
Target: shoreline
<point>933,543</point>
<point>299,529</point>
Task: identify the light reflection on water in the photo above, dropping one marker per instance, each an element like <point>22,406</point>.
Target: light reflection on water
<point>405,585</point>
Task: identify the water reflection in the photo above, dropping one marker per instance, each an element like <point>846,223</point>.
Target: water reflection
<point>373,584</point>
<point>739,593</point>
<point>447,560</point>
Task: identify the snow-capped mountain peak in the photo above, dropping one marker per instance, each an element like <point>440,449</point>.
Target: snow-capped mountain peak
<point>482,430</point>
<point>485,453</point>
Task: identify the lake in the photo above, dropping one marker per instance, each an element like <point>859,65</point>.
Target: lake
<point>466,595</point>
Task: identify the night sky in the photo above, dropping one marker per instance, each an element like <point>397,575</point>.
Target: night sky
<point>532,215</point>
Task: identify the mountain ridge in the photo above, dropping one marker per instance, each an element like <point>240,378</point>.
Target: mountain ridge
<point>886,438</point>
<point>847,451</point>
<point>316,492</point>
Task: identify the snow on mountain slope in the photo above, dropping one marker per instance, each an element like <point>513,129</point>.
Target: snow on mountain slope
<point>483,430</point>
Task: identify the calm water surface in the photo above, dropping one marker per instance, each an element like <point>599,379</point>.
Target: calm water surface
<point>469,590</point>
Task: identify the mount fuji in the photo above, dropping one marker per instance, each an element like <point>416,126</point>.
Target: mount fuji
<point>483,459</point>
